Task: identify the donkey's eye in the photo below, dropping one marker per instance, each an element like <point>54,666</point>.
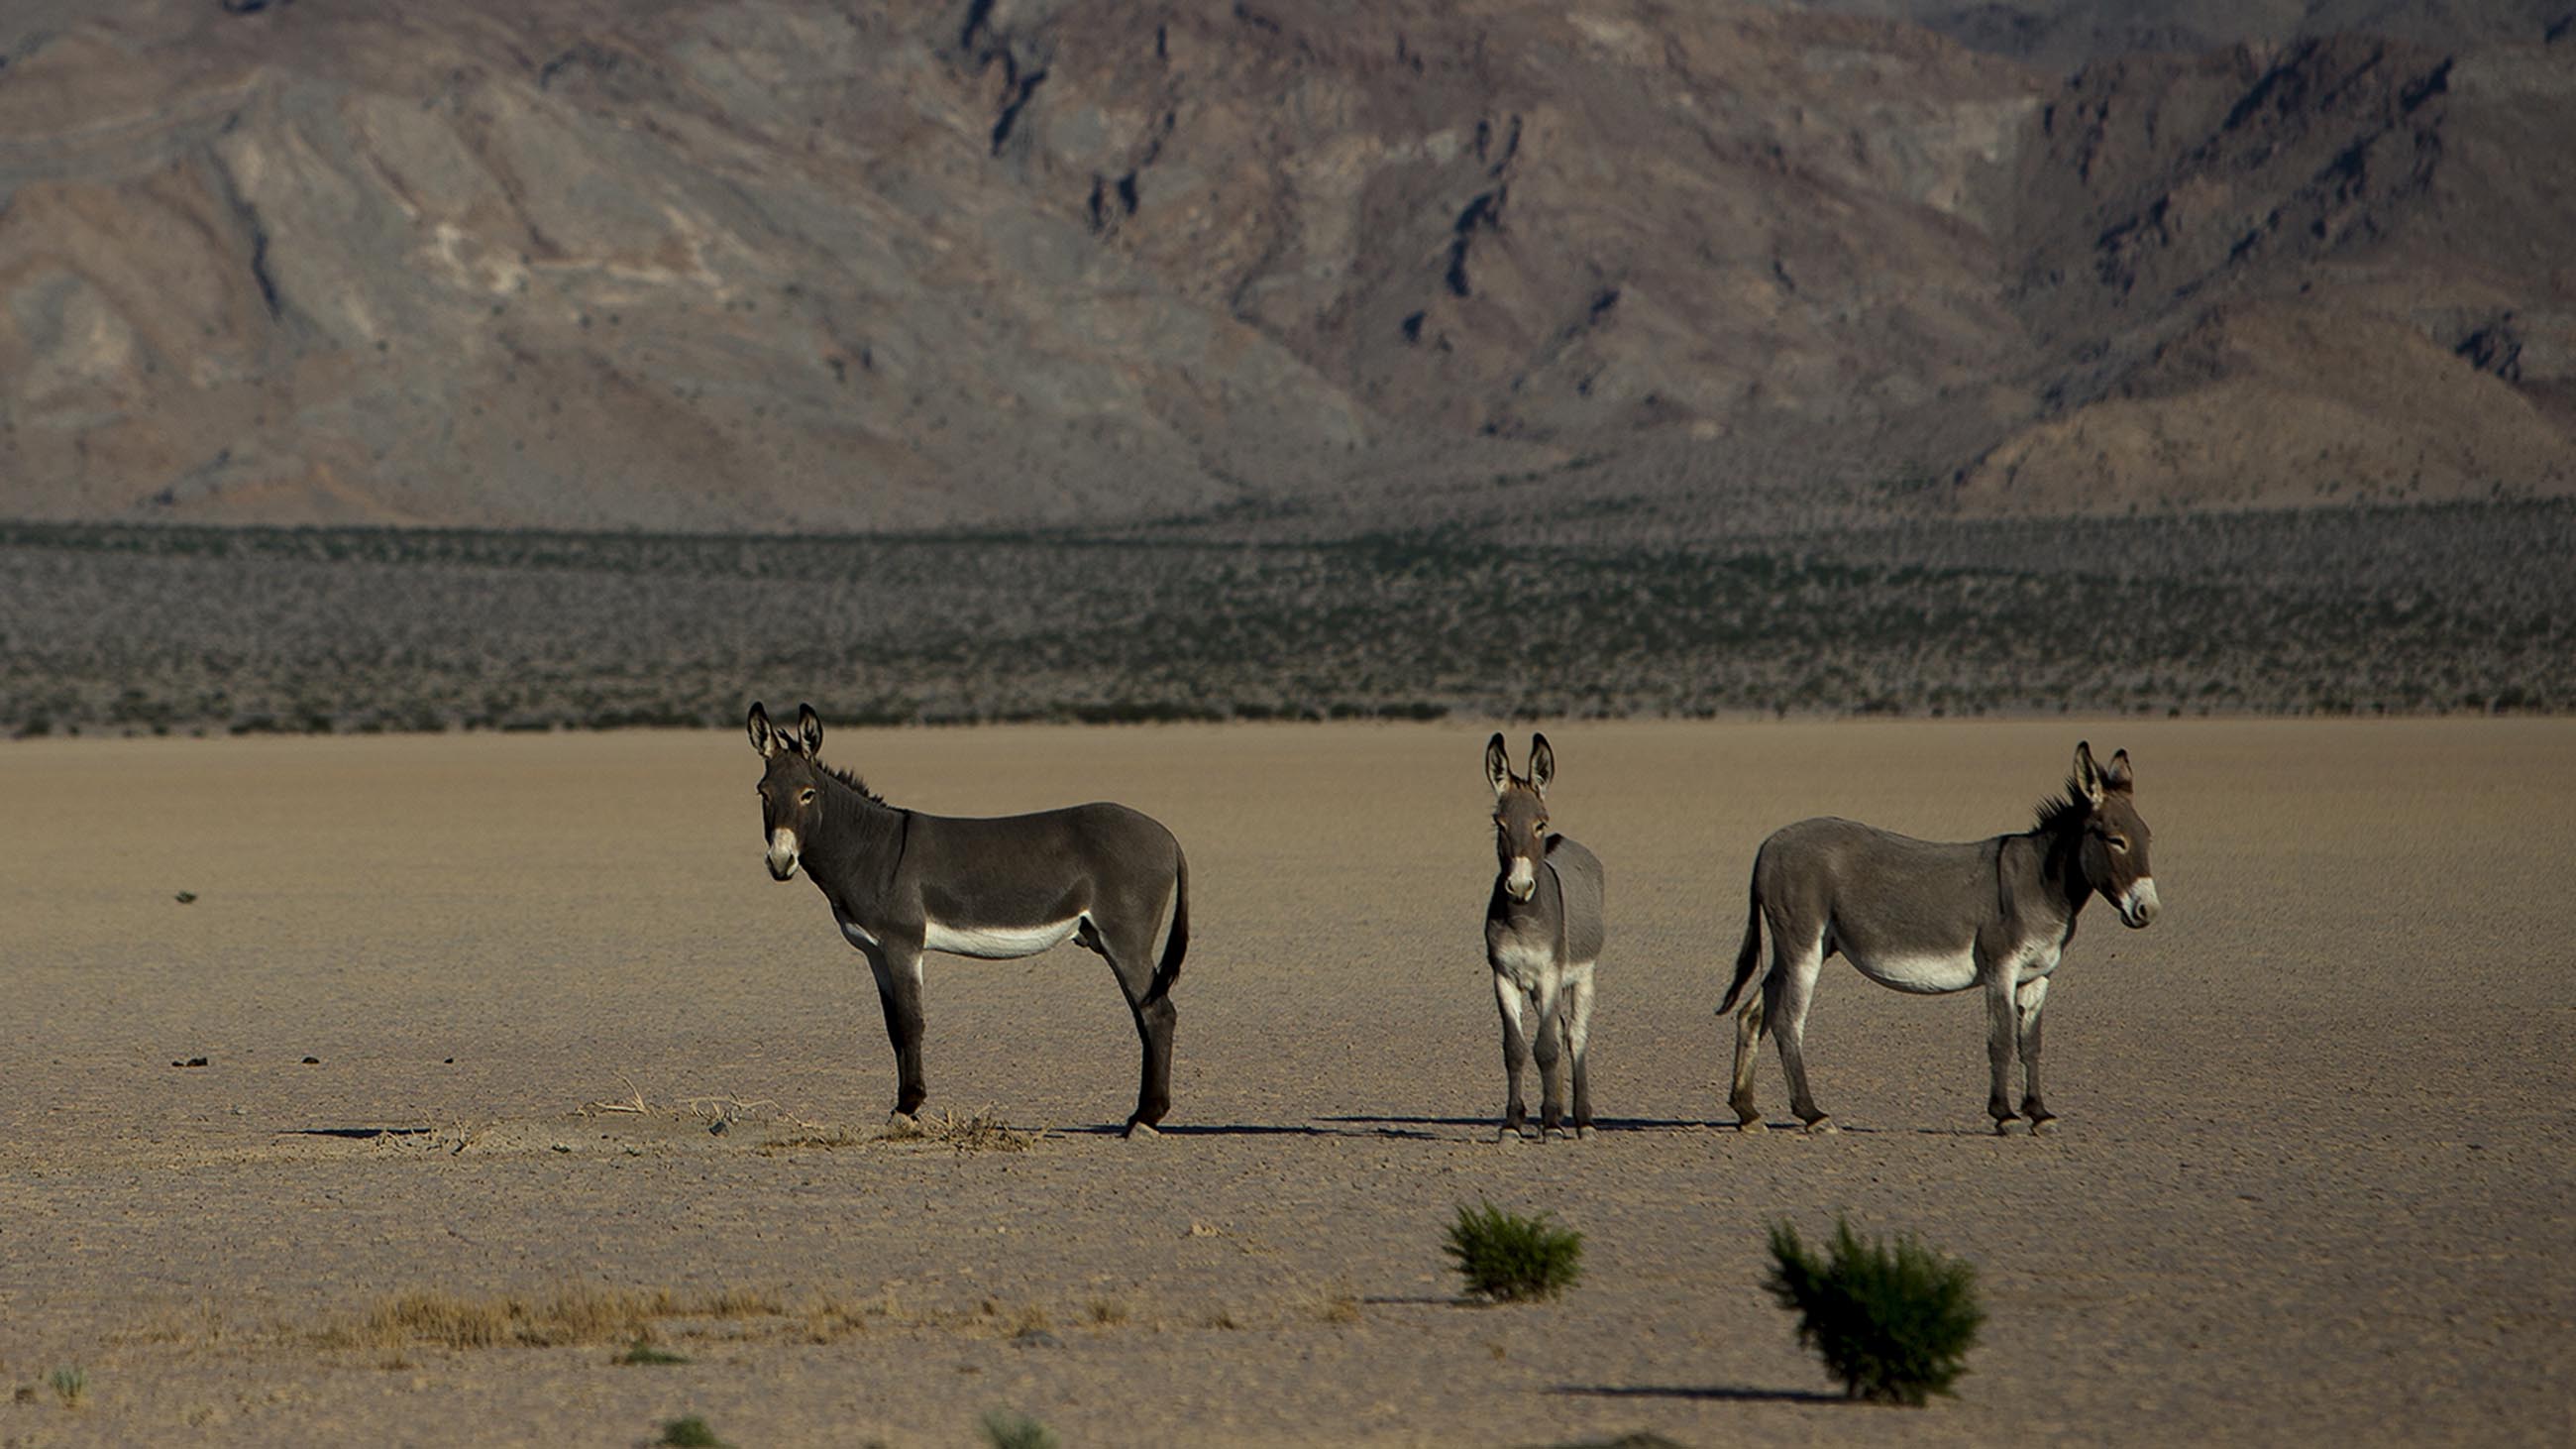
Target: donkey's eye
<point>2117,842</point>
<point>804,797</point>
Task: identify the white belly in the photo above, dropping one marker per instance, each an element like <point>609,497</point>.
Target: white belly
<point>1928,975</point>
<point>996,943</point>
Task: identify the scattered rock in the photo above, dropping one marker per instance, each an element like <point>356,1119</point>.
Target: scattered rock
<point>187,898</point>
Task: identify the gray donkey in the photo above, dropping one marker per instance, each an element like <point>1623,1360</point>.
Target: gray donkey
<point>1542,938</point>
<point>901,883</point>
<point>1930,919</point>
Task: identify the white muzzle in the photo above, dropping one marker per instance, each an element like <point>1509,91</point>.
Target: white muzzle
<point>2138,905</point>
<point>782,854</point>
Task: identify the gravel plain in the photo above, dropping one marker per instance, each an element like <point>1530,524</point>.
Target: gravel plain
<point>2312,1182</point>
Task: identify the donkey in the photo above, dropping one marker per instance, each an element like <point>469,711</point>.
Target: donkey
<point>1542,938</point>
<point>901,883</point>
<point>1932,919</point>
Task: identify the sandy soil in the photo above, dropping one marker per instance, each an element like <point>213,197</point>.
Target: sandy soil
<point>2312,1183</point>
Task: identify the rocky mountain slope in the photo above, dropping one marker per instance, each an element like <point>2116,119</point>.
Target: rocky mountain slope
<point>1608,265</point>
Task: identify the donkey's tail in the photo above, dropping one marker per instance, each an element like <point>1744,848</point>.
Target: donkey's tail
<point>1177,942</point>
<point>1748,957</point>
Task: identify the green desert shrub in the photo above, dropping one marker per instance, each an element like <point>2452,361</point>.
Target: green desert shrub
<point>1006,1430</point>
<point>1507,1257</point>
<point>1894,1322</point>
<point>690,1432</point>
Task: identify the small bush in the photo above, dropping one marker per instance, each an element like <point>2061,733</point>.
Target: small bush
<point>1509,1258</point>
<point>689,1433</point>
<point>71,1384</point>
<point>1006,1430</point>
<point>1893,1322</point>
<point>647,1352</point>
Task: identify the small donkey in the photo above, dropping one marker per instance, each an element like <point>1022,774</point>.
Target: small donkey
<point>1542,937</point>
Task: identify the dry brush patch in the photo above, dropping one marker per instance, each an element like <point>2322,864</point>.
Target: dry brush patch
<point>980,1131</point>
<point>437,1318</point>
<point>128,630</point>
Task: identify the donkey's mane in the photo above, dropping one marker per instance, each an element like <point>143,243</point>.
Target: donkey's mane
<point>852,780</point>
<point>2059,811</point>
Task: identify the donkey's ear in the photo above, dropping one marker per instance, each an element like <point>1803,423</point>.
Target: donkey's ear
<point>1498,764</point>
<point>2119,778</point>
<point>2087,778</point>
<point>1542,764</point>
<point>764,739</point>
<point>809,730</point>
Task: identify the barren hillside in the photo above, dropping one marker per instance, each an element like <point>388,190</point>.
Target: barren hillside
<point>787,265</point>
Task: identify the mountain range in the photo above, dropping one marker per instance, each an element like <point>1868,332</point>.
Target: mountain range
<point>1588,267</point>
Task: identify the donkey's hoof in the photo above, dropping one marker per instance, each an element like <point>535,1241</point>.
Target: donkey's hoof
<point>1751,1124</point>
<point>1587,1130</point>
<point>1137,1130</point>
<point>2039,1125</point>
<point>901,1121</point>
<point>2003,1126</point>
<point>1822,1127</point>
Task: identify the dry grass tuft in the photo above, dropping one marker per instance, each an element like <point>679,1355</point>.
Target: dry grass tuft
<point>1011,1321</point>
<point>717,1114</point>
<point>1108,1312</point>
<point>985,1131</point>
<point>199,1326</point>
<point>566,1316</point>
<point>829,1320</point>
<point>632,1105</point>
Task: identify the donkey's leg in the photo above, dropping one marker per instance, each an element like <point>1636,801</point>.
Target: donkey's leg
<point>2032,995</point>
<point>1130,955</point>
<point>1578,1040</point>
<point>1154,1023</point>
<point>2003,1026</point>
<point>899,992</point>
<point>1508,1000</point>
<point>1547,1043</point>
<point>1749,1031</point>
<point>1797,987</point>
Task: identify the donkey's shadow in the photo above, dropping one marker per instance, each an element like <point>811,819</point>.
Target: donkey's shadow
<point>1703,1393</point>
<point>1265,1129</point>
<point>1487,1124</point>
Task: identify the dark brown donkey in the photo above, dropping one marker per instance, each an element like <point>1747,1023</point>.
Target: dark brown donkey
<point>901,883</point>
<point>1931,919</point>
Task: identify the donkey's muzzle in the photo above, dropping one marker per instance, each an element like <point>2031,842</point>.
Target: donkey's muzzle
<point>2138,904</point>
<point>782,854</point>
<point>782,867</point>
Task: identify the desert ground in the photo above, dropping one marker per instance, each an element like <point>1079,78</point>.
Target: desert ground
<point>2312,1180</point>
